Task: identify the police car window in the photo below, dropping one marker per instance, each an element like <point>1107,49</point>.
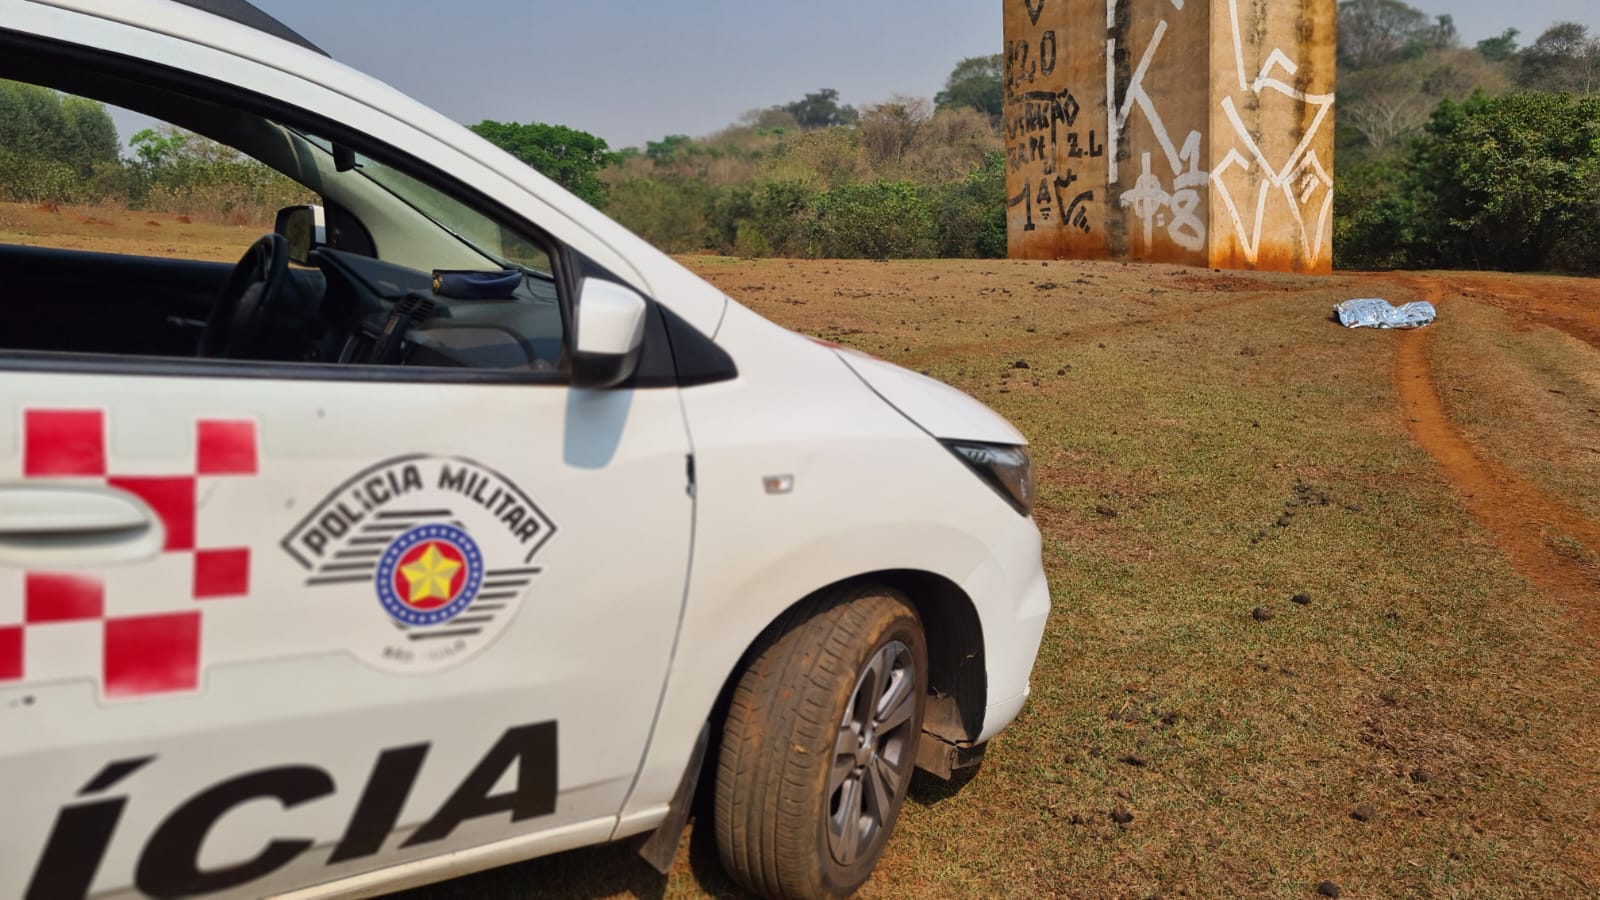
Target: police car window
<point>125,233</point>
<point>483,234</point>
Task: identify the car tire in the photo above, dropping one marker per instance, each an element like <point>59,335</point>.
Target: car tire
<point>819,744</point>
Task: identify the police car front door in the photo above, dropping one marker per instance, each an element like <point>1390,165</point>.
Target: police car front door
<point>369,623</point>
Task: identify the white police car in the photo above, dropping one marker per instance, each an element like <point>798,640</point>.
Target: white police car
<point>455,525</point>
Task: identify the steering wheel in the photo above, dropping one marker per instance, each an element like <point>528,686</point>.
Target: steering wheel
<point>238,316</point>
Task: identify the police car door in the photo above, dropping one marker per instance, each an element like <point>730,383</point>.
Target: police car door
<point>265,626</point>
<point>379,622</point>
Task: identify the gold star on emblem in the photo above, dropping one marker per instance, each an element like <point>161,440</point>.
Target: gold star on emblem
<point>430,575</point>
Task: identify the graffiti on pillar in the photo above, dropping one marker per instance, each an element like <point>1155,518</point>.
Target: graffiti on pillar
<point>1045,134</point>
<point>1169,201</point>
<point>1249,182</point>
<point>1177,211</point>
<point>1300,176</point>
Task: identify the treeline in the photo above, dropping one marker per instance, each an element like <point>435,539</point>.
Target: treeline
<point>56,148</point>
<point>1465,157</point>
<point>905,178</point>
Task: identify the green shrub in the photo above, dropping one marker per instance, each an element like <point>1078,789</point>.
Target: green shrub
<point>879,220</point>
<point>1376,223</point>
<point>972,213</point>
<point>668,214</point>
<point>765,218</point>
<point>749,242</point>
<point>1511,182</point>
<point>27,179</point>
<point>1507,182</point>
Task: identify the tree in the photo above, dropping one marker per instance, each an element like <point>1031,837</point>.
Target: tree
<point>1389,104</point>
<point>1373,32</point>
<point>1385,104</point>
<point>1500,49</point>
<point>976,83</point>
<point>773,118</point>
<point>889,130</point>
<point>1512,182</point>
<point>1441,35</point>
<point>668,149</point>
<point>572,158</point>
<point>38,123</point>
<point>1564,58</point>
<point>821,110</point>
<point>157,149</point>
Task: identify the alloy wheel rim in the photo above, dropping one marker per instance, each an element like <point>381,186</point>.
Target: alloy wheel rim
<point>871,758</point>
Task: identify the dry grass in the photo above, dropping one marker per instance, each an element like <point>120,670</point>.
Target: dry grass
<point>1251,451</point>
<point>116,230</point>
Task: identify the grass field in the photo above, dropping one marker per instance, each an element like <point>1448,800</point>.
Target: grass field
<point>1210,447</point>
<point>1210,444</point>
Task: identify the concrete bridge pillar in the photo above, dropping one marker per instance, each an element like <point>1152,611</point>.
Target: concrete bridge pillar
<point>1189,131</point>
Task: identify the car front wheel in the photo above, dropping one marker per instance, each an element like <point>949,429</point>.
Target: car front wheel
<point>819,744</point>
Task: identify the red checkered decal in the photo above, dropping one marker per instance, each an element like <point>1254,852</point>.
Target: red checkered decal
<point>149,653</point>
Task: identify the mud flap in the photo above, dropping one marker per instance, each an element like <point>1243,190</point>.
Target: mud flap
<point>937,757</point>
<point>660,846</point>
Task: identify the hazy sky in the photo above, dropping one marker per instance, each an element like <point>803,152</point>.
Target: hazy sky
<point>636,70</point>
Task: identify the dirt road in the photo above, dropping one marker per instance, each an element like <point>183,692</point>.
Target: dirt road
<point>1524,519</point>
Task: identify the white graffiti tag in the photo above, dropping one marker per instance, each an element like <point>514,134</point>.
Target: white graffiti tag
<point>1299,177</point>
<point>1177,210</point>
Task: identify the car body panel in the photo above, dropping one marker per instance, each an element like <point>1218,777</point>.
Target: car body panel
<point>940,409</point>
<point>298,666</point>
<point>798,410</point>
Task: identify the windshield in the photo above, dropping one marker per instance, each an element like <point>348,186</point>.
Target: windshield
<point>484,235</point>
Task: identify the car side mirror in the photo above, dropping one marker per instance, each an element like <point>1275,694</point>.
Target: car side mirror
<point>609,334</point>
<point>305,228</point>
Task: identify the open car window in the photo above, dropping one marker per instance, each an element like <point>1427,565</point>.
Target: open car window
<point>127,235</point>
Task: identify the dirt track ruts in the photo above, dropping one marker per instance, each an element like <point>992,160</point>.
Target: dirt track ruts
<point>1521,517</point>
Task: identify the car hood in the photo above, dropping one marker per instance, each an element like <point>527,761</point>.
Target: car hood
<point>938,408</point>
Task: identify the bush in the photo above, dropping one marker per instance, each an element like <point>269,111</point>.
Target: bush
<point>880,220</point>
<point>1509,182</point>
<point>1512,182</point>
<point>668,214</point>
<point>972,213</point>
<point>27,179</point>
<point>1376,225</point>
<point>766,218</point>
<point>770,187</point>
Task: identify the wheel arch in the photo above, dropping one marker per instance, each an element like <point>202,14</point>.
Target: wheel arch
<point>957,670</point>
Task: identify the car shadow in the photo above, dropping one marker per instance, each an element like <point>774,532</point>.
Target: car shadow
<point>931,790</point>
<point>591,873</point>
<point>616,870</point>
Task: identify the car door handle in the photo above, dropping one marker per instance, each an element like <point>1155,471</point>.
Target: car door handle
<point>63,525</point>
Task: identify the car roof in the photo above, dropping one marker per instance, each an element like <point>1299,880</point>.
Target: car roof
<point>246,14</point>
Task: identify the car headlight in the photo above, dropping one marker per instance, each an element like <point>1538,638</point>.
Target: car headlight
<point>1006,469</point>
